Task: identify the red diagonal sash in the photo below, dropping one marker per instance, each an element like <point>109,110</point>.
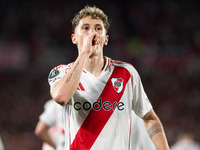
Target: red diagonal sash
<point>96,120</point>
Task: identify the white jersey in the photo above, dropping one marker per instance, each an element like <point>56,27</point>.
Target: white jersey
<point>52,117</point>
<point>141,139</point>
<point>98,116</point>
<point>186,145</point>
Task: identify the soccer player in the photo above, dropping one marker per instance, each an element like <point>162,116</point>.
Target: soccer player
<point>49,127</point>
<point>98,93</point>
<point>186,141</point>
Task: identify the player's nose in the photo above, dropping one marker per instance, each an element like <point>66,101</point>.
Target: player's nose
<point>92,30</point>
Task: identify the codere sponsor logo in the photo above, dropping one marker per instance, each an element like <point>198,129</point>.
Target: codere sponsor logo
<point>99,105</point>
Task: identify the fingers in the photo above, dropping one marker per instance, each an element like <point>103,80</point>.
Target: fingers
<point>91,42</point>
<point>96,39</point>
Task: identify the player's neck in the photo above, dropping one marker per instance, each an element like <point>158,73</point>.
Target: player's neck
<point>95,65</point>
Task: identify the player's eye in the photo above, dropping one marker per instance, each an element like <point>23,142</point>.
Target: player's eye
<point>85,28</point>
<point>98,28</point>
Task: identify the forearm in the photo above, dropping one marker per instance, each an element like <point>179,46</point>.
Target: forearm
<point>156,132</point>
<point>157,135</point>
<point>42,131</point>
<point>63,90</point>
<point>46,137</point>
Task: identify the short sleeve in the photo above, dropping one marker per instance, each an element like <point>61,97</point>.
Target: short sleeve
<point>140,104</point>
<point>57,73</point>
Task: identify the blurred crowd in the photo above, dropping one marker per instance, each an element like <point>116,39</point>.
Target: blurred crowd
<point>161,39</point>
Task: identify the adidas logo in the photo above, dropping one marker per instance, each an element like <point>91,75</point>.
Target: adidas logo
<point>80,87</point>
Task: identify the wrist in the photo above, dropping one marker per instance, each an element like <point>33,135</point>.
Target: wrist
<point>84,54</point>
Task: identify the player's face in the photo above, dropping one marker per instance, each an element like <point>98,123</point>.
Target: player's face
<point>87,26</point>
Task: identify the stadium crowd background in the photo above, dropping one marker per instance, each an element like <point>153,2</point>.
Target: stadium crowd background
<point>161,39</point>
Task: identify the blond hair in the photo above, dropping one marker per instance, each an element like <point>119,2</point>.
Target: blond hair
<point>94,12</point>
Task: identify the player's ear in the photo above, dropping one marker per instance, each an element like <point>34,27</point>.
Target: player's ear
<point>106,40</point>
<point>74,39</point>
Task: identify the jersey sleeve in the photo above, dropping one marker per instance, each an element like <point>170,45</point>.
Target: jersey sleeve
<point>57,73</point>
<point>48,116</point>
<point>140,104</point>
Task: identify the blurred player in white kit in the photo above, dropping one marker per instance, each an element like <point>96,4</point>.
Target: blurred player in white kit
<point>185,141</point>
<point>49,127</point>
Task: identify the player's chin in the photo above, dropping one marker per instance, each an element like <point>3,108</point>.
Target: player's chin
<point>95,51</point>
<point>93,55</point>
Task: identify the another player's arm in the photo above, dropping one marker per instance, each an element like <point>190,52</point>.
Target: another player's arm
<point>63,90</point>
<point>42,131</point>
<point>155,130</point>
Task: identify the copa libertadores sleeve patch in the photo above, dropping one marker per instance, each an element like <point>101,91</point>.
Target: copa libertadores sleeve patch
<point>53,76</point>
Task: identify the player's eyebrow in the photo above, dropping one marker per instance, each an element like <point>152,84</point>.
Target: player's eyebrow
<point>96,25</point>
<point>87,24</point>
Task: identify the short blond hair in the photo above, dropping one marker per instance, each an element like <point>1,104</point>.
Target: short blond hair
<point>94,12</point>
